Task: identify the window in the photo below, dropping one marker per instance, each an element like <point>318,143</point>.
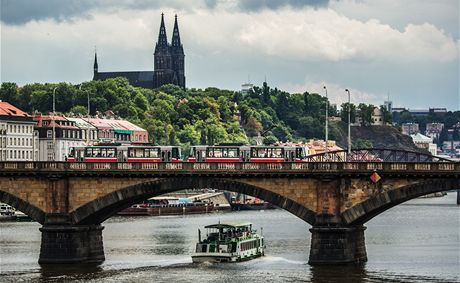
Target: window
<point>49,134</point>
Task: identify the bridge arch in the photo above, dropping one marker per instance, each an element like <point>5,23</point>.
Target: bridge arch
<point>104,207</point>
<point>32,211</point>
<point>365,211</point>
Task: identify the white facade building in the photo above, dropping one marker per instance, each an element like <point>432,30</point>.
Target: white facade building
<point>66,135</point>
<point>18,141</point>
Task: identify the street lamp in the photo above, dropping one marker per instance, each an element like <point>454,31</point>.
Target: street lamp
<point>349,123</point>
<point>88,130</point>
<point>54,124</point>
<point>327,118</point>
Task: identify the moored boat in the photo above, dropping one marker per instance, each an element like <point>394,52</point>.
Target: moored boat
<point>6,212</point>
<point>229,242</point>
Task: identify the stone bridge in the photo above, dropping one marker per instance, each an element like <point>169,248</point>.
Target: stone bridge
<point>336,197</point>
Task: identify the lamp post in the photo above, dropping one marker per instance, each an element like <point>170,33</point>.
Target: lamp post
<point>54,124</point>
<point>349,122</point>
<point>88,129</point>
<point>327,118</point>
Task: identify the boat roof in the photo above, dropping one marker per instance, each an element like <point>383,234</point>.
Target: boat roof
<point>229,225</point>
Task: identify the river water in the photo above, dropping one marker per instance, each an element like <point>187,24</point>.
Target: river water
<point>414,242</point>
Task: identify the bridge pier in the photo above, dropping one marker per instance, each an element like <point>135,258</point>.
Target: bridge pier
<point>65,243</point>
<point>458,196</point>
<point>337,245</point>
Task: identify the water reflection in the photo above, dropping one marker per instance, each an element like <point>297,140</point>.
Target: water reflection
<point>57,271</point>
<point>345,273</point>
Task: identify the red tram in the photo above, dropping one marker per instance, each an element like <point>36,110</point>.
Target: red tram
<point>246,154</point>
<point>201,153</point>
<point>118,153</point>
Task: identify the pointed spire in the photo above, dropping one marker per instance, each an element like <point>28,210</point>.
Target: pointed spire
<point>176,37</point>
<point>95,60</point>
<point>162,39</point>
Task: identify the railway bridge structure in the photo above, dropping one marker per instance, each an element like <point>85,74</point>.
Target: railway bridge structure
<point>336,193</point>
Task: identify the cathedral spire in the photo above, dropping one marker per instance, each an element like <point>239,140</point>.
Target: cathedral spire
<point>176,36</point>
<point>162,39</point>
<point>95,67</point>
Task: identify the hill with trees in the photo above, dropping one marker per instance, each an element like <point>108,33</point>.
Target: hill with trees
<point>185,117</point>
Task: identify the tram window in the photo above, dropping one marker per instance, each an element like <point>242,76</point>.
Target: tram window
<point>233,152</point>
<point>111,152</point>
<point>138,152</point>
<point>175,152</point>
<point>218,152</point>
<point>154,152</point>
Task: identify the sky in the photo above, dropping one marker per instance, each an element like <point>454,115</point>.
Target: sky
<point>405,50</point>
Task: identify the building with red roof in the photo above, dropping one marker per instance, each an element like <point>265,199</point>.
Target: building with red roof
<point>17,139</point>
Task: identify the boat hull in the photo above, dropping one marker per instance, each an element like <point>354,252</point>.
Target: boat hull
<point>216,257</point>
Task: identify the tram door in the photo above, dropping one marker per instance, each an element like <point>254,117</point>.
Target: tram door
<point>166,155</point>
<point>245,153</point>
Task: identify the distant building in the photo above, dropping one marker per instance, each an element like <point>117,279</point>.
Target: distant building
<point>66,136</point>
<point>425,142</point>
<point>410,128</point>
<point>169,63</point>
<point>138,135</point>
<point>246,88</point>
<point>18,141</point>
<point>88,131</point>
<point>105,131</point>
<point>388,105</point>
<point>433,129</point>
<point>118,131</point>
<point>438,111</point>
<point>419,112</point>
<point>377,117</point>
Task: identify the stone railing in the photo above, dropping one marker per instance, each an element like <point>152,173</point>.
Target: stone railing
<point>185,167</point>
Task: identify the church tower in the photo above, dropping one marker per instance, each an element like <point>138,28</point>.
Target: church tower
<point>168,59</point>
<point>162,73</point>
<point>177,52</point>
<point>95,67</point>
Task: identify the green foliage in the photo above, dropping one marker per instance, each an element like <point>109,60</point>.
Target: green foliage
<point>189,117</point>
<point>362,144</point>
<point>79,109</point>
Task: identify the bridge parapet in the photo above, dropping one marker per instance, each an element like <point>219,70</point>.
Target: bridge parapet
<point>304,168</point>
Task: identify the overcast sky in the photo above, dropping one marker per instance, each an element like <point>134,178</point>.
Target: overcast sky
<point>407,49</point>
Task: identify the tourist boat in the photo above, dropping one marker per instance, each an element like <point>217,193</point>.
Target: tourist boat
<point>6,212</point>
<point>227,242</point>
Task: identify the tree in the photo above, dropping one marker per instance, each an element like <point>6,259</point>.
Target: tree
<point>253,127</point>
<point>9,93</point>
<point>189,135</point>
<point>344,112</point>
<point>362,144</point>
<point>365,113</point>
<point>78,109</point>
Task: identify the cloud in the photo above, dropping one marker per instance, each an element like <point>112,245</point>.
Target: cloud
<point>223,44</point>
<point>257,5</point>
<point>310,34</point>
<point>18,12</point>
<point>336,92</point>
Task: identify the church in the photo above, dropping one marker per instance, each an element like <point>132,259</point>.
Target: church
<point>169,63</point>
